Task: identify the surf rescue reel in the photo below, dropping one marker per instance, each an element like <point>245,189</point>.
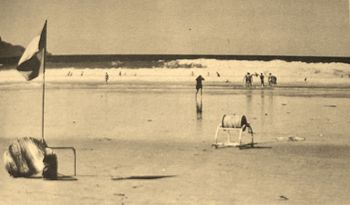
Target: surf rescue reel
<point>230,124</point>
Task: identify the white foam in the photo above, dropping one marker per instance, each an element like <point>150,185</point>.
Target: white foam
<point>230,70</point>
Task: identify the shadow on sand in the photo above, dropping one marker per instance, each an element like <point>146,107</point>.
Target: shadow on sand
<point>253,147</point>
<point>245,146</point>
<point>59,178</point>
<point>145,177</point>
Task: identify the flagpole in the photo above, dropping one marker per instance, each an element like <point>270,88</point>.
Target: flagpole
<point>43,90</point>
<point>43,99</point>
<point>28,64</point>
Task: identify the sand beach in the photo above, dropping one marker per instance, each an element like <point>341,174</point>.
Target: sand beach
<point>124,131</point>
<point>116,82</point>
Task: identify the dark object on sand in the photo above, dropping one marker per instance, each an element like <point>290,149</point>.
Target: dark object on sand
<point>146,177</point>
<point>50,169</point>
<point>283,197</point>
<point>290,139</point>
<point>24,157</point>
<point>330,105</point>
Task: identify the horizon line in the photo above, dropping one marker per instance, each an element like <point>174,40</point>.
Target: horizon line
<point>228,55</point>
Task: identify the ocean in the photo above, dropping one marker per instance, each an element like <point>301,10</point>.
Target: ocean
<point>216,69</point>
<point>159,61</point>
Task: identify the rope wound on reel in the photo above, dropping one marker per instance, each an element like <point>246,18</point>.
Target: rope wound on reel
<point>236,121</point>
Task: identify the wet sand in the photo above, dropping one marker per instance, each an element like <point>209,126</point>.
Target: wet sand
<point>155,132</point>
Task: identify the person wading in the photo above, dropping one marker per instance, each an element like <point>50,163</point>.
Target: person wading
<point>199,85</point>
<point>106,77</point>
<point>262,79</point>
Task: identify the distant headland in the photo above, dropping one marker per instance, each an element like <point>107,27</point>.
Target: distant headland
<point>8,50</point>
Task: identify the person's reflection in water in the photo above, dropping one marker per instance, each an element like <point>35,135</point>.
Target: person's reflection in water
<point>271,107</point>
<point>199,107</point>
<point>249,99</point>
<point>262,111</point>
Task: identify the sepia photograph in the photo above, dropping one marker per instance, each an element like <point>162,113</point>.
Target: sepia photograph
<point>175,102</point>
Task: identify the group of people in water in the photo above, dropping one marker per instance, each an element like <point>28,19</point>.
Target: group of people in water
<point>248,79</point>
<point>106,76</point>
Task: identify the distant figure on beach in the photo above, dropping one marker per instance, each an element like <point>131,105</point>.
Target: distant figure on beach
<point>120,73</point>
<point>305,79</point>
<point>106,77</point>
<point>218,74</point>
<point>199,85</point>
<point>82,73</point>
<point>192,73</point>
<point>272,79</point>
<point>248,78</point>
<point>262,79</point>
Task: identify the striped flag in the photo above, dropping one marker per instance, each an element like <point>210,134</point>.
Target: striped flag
<point>32,60</point>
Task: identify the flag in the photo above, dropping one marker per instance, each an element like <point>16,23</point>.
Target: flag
<point>32,60</point>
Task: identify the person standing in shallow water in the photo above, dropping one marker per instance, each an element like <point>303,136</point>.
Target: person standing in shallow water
<point>262,79</point>
<point>106,77</point>
<point>199,85</point>
<point>270,79</point>
<point>248,80</point>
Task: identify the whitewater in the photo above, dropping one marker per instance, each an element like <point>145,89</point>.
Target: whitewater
<point>185,71</point>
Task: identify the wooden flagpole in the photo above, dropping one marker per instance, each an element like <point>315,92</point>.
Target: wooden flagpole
<point>43,94</point>
<point>43,100</point>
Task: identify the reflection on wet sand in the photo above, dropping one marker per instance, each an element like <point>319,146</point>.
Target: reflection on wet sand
<point>271,107</point>
<point>262,104</point>
<point>199,106</point>
<point>249,99</point>
<point>262,110</point>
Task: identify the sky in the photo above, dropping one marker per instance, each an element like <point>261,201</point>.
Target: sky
<point>232,27</point>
